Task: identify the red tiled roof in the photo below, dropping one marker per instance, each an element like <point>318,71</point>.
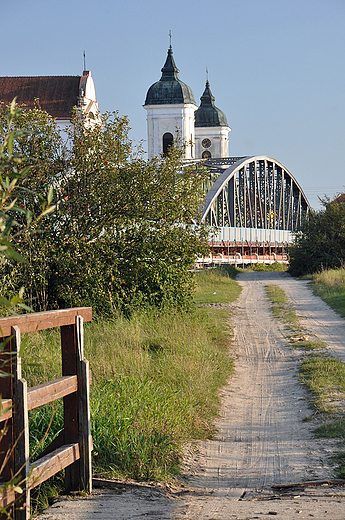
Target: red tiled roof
<point>339,199</point>
<point>57,94</point>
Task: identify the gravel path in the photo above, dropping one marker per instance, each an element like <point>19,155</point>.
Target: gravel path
<point>262,438</point>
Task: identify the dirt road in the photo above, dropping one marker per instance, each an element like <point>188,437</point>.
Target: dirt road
<point>262,438</point>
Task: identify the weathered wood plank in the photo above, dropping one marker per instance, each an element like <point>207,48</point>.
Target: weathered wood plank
<point>21,430</point>
<point>47,466</point>
<point>43,320</point>
<point>7,495</point>
<point>6,404</point>
<point>43,394</point>
<point>48,392</point>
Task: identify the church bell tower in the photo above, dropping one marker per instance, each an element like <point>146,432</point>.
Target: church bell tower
<point>170,105</point>
<point>211,129</point>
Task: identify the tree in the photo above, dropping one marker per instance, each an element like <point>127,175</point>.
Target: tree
<point>123,232</point>
<point>321,242</point>
<point>16,218</point>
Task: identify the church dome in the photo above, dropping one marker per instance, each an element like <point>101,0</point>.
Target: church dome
<point>208,114</point>
<point>169,90</point>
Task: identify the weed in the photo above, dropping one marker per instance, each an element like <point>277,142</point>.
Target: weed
<point>333,429</point>
<point>325,378</point>
<point>339,460</point>
<point>309,344</point>
<point>281,307</point>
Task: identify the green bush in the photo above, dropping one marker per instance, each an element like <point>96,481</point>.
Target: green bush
<point>122,234</point>
<point>321,243</point>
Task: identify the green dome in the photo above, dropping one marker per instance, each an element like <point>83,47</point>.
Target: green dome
<point>208,114</point>
<point>169,90</point>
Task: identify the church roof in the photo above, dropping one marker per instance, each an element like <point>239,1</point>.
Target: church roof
<point>169,90</point>
<point>208,114</point>
<point>57,95</point>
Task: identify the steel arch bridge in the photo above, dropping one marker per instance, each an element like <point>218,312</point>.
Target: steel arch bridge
<point>254,192</point>
<point>253,204</point>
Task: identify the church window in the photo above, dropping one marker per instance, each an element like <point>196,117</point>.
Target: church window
<point>206,154</point>
<point>167,142</point>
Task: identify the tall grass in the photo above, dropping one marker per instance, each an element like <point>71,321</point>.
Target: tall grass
<point>217,285</point>
<point>330,286</point>
<point>156,380</point>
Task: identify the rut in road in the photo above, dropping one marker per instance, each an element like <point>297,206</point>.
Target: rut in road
<point>262,438</point>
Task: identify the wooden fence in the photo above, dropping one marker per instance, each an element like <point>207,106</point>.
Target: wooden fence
<point>71,450</point>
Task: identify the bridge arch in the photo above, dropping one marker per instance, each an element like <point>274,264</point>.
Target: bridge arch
<point>255,192</point>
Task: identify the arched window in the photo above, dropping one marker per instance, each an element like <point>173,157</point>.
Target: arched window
<point>206,154</point>
<point>167,142</point>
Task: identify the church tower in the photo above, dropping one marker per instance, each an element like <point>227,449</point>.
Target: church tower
<point>170,105</point>
<point>211,129</point>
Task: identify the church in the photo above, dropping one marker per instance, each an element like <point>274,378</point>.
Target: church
<point>170,104</point>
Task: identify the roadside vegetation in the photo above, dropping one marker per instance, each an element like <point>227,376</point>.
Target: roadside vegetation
<point>276,267</point>
<point>320,244</point>
<point>323,375</point>
<point>156,377</point>
<point>214,285</point>
<point>330,286</point>
<point>281,308</point>
<point>123,233</point>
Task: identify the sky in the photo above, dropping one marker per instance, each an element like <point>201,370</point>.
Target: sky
<point>276,67</point>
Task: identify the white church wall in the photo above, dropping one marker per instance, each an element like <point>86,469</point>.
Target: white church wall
<point>218,135</point>
<point>168,118</point>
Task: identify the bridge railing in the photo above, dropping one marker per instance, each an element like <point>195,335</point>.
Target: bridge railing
<point>251,235</point>
<point>71,450</point>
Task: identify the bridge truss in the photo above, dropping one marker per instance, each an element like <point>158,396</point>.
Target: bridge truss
<point>253,204</point>
<point>254,192</point>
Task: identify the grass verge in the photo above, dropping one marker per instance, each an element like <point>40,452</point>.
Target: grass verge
<point>217,285</point>
<point>156,380</point>
<point>276,267</point>
<point>330,286</point>
<point>281,307</point>
<point>325,378</point>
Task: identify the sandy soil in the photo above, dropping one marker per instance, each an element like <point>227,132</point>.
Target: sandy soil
<point>262,439</point>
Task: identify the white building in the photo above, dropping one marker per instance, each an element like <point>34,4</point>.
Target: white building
<point>170,105</point>
<point>57,95</point>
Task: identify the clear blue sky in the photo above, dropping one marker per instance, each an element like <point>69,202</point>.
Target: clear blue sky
<point>276,67</point>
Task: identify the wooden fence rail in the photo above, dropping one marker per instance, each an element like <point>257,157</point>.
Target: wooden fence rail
<point>71,449</point>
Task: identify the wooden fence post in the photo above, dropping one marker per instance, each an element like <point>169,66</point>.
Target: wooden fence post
<point>7,435</point>
<point>21,432</point>
<point>70,402</point>
<point>84,410</point>
<point>6,392</point>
